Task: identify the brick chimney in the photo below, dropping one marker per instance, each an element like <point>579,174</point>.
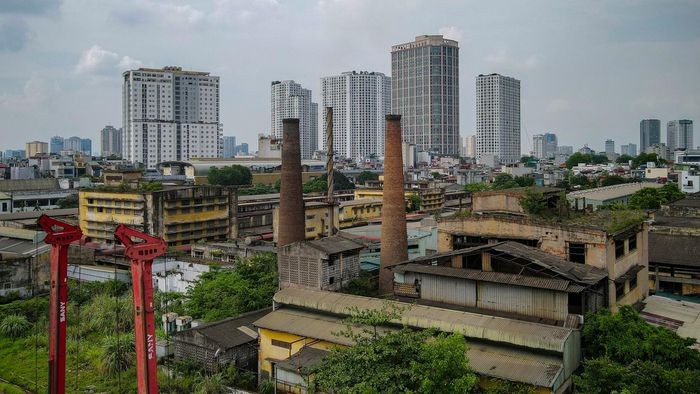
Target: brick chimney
<point>394,243</point>
<point>291,227</point>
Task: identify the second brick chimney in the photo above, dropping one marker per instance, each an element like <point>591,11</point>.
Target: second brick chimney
<point>291,227</point>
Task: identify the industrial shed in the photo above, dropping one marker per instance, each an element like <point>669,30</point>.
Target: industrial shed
<point>217,345</point>
<point>324,264</point>
<point>541,355</point>
<point>506,278</point>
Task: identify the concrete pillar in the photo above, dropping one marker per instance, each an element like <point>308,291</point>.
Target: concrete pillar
<point>291,227</point>
<point>394,243</point>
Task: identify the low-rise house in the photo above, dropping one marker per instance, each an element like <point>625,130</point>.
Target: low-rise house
<point>24,261</point>
<point>674,247</point>
<point>34,194</point>
<point>614,241</point>
<point>505,278</point>
<point>324,264</point>
<point>606,195</point>
<point>214,346</point>
<point>541,355</point>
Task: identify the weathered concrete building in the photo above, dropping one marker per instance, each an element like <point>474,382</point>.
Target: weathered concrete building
<point>674,247</point>
<point>214,346</point>
<point>24,261</point>
<point>544,356</point>
<point>324,264</point>
<point>614,241</point>
<point>179,215</point>
<point>504,278</point>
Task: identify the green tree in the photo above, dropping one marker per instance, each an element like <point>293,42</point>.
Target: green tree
<point>258,188</point>
<point>414,202</point>
<point>670,192</point>
<point>524,181</point>
<point>365,176</point>
<point>319,185</point>
<point>504,181</point>
<point>613,180</point>
<point>599,159</point>
<point>402,361</point>
<point>577,158</point>
<point>234,175</point>
<point>69,202</point>
<point>646,198</point>
<point>230,292</point>
<point>624,159</point>
<point>533,202</point>
<point>644,158</point>
<point>476,187</point>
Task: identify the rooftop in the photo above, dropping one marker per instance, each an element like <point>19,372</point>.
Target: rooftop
<point>607,193</point>
<point>36,214</point>
<point>13,185</point>
<point>335,244</point>
<point>680,316</point>
<point>674,249</point>
<point>472,325</point>
<point>227,333</point>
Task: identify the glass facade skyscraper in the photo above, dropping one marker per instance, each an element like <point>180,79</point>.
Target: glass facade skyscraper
<point>649,133</point>
<point>425,92</point>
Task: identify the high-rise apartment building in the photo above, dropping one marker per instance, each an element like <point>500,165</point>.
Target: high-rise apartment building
<point>679,134</point>
<point>565,150</point>
<point>649,133</point>
<point>360,101</point>
<point>290,100</point>
<point>86,146</point>
<point>425,92</point>
<point>229,146</point>
<point>544,145</point>
<point>170,114</point>
<point>73,144</point>
<point>56,145</point>
<point>111,141</point>
<point>609,147</point>
<point>471,146</point>
<point>498,117</point>
<point>34,148</point>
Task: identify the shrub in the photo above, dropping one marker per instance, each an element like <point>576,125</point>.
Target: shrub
<point>118,353</point>
<point>15,326</point>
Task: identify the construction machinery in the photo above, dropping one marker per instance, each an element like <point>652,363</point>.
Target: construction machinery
<point>141,253</point>
<point>59,235</point>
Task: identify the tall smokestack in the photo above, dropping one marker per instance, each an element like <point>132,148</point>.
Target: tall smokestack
<point>291,226</point>
<point>394,243</point>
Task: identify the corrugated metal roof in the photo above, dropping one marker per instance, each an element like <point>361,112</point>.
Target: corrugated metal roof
<point>688,313</point>
<point>13,185</point>
<point>226,333</point>
<point>36,214</point>
<point>675,249</point>
<point>471,325</point>
<point>335,244</point>
<point>24,248</point>
<point>487,360</point>
<point>20,233</point>
<point>514,365</point>
<point>302,360</point>
<point>487,276</point>
<point>612,192</point>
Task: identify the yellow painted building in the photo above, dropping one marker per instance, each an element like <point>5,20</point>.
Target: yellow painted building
<point>432,199</point>
<point>358,212</point>
<point>317,219</point>
<point>180,215</point>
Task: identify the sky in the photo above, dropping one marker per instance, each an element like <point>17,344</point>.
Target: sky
<point>589,70</point>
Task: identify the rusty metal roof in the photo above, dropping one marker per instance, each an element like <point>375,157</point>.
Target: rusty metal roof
<point>226,333</point>
<point>501,362</point>
<point>674,249</point>
<point>488,276</point>
<point>471,325</point>
<point>302,360</point>
<point>335,244</point>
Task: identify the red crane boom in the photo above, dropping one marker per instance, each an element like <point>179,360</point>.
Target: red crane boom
<point>59,235</point>
<point>141,255</point>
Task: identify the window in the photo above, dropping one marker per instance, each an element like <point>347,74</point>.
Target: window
<point>619,290</point>
<point>619,248</point>
<point>282,344</point>
<point>331,280</point>
<point>632,243</point>
<point>633,283</point>
<point>577,253</point>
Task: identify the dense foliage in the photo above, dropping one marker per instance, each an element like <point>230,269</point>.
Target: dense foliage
<point>258,188</point>
<point>229,292</point>
<point>319,185</point>
<point>579,157</point>
<point>507,181</point>
<point>533,203</point>
<point>234,175</point>
<point>644,158</point>
<point>623,352</point>
<point>476,187</point>
<point>14,326</point>
<point>365,176</point>
<point>612,180</point>
<point>414,202</point>
<point>650,198</point>
<point>402,361</point>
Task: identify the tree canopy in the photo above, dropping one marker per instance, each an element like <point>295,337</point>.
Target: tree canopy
<point>651,198</point>
<point>623,352</point>
<point>258,188</point>
<point>579,157</point>
<point>230,176</point>
<point>611,180</point>
<point>319,185</point>
<point>401,361</point>
<point>644,158</point>
<point>507,181</point>
<point>365,176</point>
<point>229,292</point>
<point>624,159</point>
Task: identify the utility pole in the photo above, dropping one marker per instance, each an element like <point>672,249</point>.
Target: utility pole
<point>329,171</point>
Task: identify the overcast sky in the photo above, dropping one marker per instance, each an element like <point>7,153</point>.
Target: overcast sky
<point>589,70</point>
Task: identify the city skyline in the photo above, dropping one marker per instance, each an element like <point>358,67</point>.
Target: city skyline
<point>60,86</point>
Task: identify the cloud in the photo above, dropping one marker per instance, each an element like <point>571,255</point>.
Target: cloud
<point>451,32</point>
<point>97,60</point>
<point>14,34</point>
<point>503,59</point>
<point>558,105</point>
<point>36,90</point>
<point>241,11</point>
<point>29,6</point>
<point>144,12</point>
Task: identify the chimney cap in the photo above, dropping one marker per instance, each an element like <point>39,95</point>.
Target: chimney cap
<point>393,117</point>
<point>290,120</point>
